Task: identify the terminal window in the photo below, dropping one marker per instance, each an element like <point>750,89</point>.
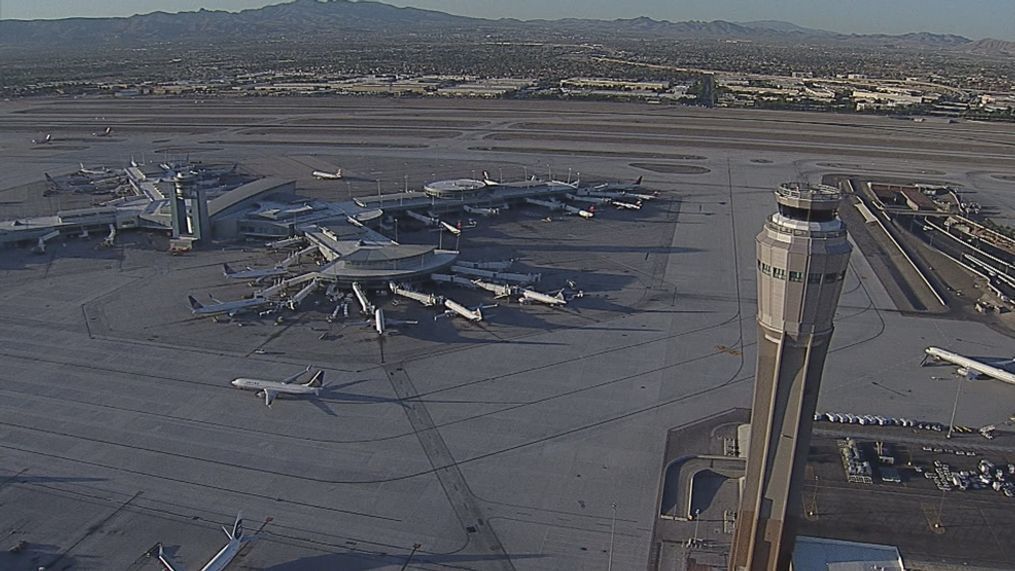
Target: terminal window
<point>779,273</point>
<point>796,276</point>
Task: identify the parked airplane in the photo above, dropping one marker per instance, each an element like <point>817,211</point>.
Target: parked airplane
<point>498,290</point>
<point>104,133</point>
<point>230,308</point>
<point>381,323</point>
<point>527,182</point>
<point>51,185</point>
<point>969,367</point>
<point>425,219</point>
<point>361,296</point>
<point>45,141</point>
<point>271,389</point>
<point>588,213</point>
<point>101,171</point>
<point>588,199</point>
<point>627,205</point>
<point>488,181</point>
<point>455,308</point>
<point>252,274</point>
<point>529,295</point>
<point>481,211</point>
<point>618,186</point>
<point>324,175</point>
<point>427,299</point>
<point>294,302</point>
<point>456,230</point>
<point>640,196</point>
<point>224,557</point>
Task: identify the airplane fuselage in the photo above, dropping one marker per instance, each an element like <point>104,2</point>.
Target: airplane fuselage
<point>499,290</point>
<point>540,297</point>
<point>461,310</point>
<point>971,364</point>
<point>427,299</point>
<point>224,557</point>
<point>627,205</point>
<point>450,228</point>
<point>229,306</point>
<point>281,388</point>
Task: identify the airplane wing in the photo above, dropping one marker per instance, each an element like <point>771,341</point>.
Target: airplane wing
<point>269,396</point>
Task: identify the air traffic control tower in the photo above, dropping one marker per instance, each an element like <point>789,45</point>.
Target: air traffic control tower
<point>802,257</point>
<point>193,222</point>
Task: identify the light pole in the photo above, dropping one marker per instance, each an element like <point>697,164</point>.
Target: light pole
<point>955,407</point>
<point>408,559</point>
<point>613,531</point>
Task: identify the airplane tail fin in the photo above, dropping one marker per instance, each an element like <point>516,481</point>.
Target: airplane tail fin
<point>317,380</point>
<point>164,559</point>
<point>237,532</point>
<point>638,182</point>
<point>194,304</point>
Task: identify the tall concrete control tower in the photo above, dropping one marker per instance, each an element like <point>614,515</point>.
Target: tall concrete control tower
<point>802,258</point>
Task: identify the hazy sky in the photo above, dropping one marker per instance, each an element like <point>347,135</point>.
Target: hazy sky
<point>971,18</point>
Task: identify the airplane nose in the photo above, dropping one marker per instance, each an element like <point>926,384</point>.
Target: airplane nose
<point>235,382</point>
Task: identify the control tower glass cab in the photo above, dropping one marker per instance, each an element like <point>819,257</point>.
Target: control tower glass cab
<point>802,255</point>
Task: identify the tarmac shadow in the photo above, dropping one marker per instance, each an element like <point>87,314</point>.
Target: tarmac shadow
<point>29,556</point>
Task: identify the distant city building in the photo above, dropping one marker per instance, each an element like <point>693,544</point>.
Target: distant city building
<point>615,84</point>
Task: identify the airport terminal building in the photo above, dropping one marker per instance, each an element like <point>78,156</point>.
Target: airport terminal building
<point>348,235</point>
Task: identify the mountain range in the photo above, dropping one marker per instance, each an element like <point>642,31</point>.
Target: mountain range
<point>333,19</point>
